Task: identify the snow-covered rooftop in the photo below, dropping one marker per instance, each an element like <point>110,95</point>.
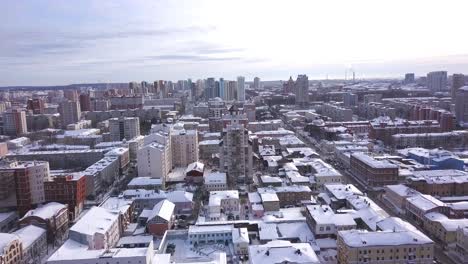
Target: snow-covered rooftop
<point>363,238</point>
<point>282,251</point>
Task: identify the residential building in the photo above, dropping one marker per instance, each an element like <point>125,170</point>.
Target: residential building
<point>325,223</point>
<point>224,205</point>
<point>215,181</point>
<point>147,199</point>
<point>72,252</point>
<point>241,88</point>
<point>437,81</point>
<point>301,90</point>
<point>383,128</point>
<point>461,105</point>
<point>14,122</point>
<point>441,183</point>
<point>406,246</point>
<point>70,112</point>
<point>97,229</point>
<point>458,81</point>
<point>22,185</point>
<point>161,218</point>
<point>36,105</point>
<point>124,128</point>
<point>184,144</point>
<point>282,251</point>
<point>256,83</point>
<point>291,195</point>
<point>194,172</point>
<point>372,172</point>
<point>155,159</point>
<point>337,113</point>
<point>145,183</point>
<point>67,189</point>
<point>236,152</point>
<point>409,78</point>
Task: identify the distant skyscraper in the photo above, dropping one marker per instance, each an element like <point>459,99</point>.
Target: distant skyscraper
<point>14,122</point>
<point>461,106</point>
<point>210,87</point>
<point>36,105</point>
<point>70,112</point>
<point>222,89</point>
<point>85,102</point>
<point>409,78</point>
<point>199,88</point>
<point>301,90</point>
<point>256,83</point>
<point>132,87</point>
<point>288,87</point>
<point>71,94</point>
<point>437,81</point>
<point>458,81</point>
<point>124,128</point>
<point>231,91</point>
<point>241,88</point>
<point>216,90</point>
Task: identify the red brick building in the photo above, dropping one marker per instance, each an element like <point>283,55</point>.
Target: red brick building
<point>384,128</point>
<point>372,172</point>
<point>67,189</point>
<point>161,218</point>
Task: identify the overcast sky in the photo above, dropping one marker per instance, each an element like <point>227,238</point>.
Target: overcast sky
<point>73,41</point>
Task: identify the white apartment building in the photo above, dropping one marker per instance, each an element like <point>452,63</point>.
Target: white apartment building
<point>241,88</point>
<point>184,146</point>
<point>437,81</point>
<point>154,160</point>
<point>70,112</point>
<point>124,128</point>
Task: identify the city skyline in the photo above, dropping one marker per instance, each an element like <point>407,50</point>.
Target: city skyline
<point>120,41</point>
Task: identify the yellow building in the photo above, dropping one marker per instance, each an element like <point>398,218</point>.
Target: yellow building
<point>360,246</point>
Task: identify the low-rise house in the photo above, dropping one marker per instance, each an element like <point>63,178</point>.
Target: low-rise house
<point>53,217</point>
<point>147,199</point>
<point>396,195</point>
<point>291,195</point>
<point>224,205</point>
<point>34,241</point>
<point>146,183</point>
<point>215,181</point>
<point>11,249</point>
<point>194,172</point>
<point>97,229</point>
<point>443,228</point>
<point>161,218</point>
<point>324,222</point>
<point>240,239</point>
<point>420,205</point>
<point>281,251</point>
